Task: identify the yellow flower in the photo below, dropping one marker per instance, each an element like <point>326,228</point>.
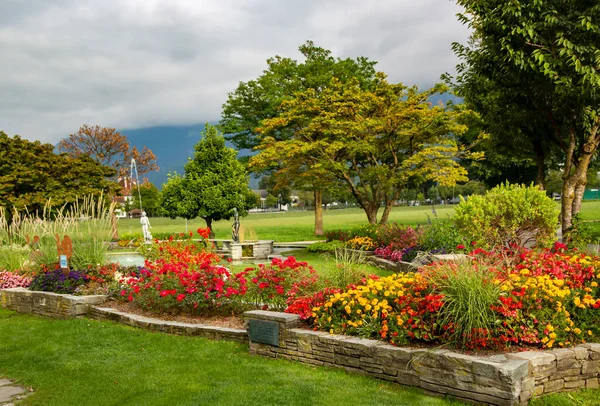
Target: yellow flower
<point>594,284</point>
<point>589,332</point>
<point>577,330</point>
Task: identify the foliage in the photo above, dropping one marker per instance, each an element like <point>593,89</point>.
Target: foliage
<point>349,268</point>
<point>86,222</point>
<point>469,294</point>
<point>137,239</point>
<point>13,280</point>
<point>260,99</point>
<point>440,235</point>
<point>13,257</point>
<point>508,215</point>
<point>214,183</point>
<point>109,148</point>
<point>150,199</point>
<point>275,284</point>
<point>372,141</point>
<point>57,281</point>
<point>538,57</point>
<point>31,174</point>
<point>326,246</point>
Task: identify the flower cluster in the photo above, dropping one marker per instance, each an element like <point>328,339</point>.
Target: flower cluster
<point>184,277</point>
<point>274,285</point>
<point>13,280</point>
<point>58,281</point>
<point>544,299</point>
<point>361,243</point>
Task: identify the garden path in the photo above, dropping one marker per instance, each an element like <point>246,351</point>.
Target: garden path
<point>10,393</point>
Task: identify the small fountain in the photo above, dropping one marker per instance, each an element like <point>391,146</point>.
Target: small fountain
<point>240,250</point>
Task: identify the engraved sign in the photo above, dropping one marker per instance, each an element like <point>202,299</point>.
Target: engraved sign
<point>264,332</point>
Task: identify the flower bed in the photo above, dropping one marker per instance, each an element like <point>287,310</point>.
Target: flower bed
<point>540,299</point>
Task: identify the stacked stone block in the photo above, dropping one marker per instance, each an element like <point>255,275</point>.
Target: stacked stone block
<point>48,304</point>
<point>170,327</point>
<point>504,379</point>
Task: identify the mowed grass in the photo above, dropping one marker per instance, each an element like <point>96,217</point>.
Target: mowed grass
<point>88,362</point>
<point>287,226</point>
<point>299,225</point>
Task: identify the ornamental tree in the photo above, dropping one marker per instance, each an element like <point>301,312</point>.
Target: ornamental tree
<point>108,147</point>
<point>548,54</point>
<point>259,99</point>
<point>214,183</point>
<point>375,142</point>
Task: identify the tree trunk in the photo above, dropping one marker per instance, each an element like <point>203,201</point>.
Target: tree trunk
<point>540,158</point>
<point>579,191</point>
<point>386,212</point>
<point>318,193</point>
<point>208,221</point>
<point>371,212</point>
<point>566,206</point>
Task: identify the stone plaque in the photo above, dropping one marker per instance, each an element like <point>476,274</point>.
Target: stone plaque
<point>264,332</point>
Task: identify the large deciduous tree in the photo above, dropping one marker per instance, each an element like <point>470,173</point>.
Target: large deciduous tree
<point>373,141</point>
<point>259,99</point>
<point>544,58</point>
<point>214,183</point>
<point>108,147</point>
<point>31,174</point>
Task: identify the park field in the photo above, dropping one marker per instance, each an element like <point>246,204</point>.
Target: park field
<point>299,225</point>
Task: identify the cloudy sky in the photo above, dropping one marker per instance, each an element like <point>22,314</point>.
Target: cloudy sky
<point>140,63</point>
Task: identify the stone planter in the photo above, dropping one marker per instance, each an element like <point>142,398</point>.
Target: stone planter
<point>48,304</point>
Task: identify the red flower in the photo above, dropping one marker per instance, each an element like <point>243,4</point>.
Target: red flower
<point>460,247</point>
<point>180,297</point>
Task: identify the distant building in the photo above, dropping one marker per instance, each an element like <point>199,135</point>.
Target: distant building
<point>127,186</point>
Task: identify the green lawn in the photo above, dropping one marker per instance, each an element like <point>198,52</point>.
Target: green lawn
<point>287,226</point>
<point>299,225</point>
<point>87,362</point>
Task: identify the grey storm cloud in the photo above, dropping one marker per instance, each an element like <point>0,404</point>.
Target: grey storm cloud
<point>139,63</point>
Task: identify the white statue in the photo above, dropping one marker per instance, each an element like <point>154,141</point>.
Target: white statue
<point>145,222</point>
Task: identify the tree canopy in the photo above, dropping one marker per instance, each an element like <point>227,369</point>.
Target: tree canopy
<point>373,141</point>
<point>543,59</point>
<point>31,174</point>
<point>214,183</point>
<point>108,147</point>
<point>260,99</point>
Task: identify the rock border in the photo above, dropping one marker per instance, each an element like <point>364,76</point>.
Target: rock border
<point>171,327</point>
<point>503,379</point>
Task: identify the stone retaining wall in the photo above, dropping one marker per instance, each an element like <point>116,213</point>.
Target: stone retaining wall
<point>48,304</point>
<point>171,327</point>
<point>506,379</point>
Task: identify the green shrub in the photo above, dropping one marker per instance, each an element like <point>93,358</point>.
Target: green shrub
<point>441,236</point>
<point>326,246</point>
<point>508,215</point>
